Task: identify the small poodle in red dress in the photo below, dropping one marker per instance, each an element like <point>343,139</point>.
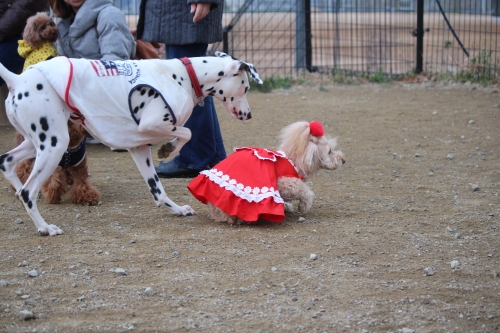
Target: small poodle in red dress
<point>257,183</point>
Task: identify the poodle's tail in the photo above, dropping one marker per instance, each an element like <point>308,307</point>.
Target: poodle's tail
<point>8,76</point>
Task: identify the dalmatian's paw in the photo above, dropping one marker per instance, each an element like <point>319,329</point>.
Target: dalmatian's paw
<point>186,211</point>
<point>50,230</point>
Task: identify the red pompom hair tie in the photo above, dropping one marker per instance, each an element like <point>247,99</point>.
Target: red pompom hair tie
<point>316,128</point>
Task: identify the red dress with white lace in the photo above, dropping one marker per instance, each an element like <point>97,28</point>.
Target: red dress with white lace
<point>245,184</point>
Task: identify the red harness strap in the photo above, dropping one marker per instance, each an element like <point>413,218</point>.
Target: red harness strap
<point>194,80</point>
<point>77,115</point>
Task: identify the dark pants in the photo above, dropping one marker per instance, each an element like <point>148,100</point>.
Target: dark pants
<point>9,56</point>
<point>206,146</point>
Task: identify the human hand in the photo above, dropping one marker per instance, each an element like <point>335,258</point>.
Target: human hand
<point>200,10</point>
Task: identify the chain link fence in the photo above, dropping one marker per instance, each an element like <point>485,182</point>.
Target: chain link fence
<point>284,38</point>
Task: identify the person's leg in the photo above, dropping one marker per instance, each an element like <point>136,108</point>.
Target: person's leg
<point>206,147</point>
<point>9,56</point>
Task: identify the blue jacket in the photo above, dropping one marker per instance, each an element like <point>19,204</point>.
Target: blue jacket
<point>170,22</point>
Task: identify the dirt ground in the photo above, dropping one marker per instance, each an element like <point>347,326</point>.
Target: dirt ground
<point>403,241</point>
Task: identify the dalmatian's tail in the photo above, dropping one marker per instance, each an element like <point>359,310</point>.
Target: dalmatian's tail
<point>8,76</point>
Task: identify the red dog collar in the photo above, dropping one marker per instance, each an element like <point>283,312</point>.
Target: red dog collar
<point>194,80</point>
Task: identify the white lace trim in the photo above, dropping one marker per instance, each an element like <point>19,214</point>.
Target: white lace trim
<point>256,194</point>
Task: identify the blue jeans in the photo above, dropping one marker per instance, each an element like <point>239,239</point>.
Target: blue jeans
<point>9,56</point>
<point>205,147</point>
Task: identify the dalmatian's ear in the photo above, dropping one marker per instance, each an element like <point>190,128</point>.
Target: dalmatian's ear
<point>222,55</point>
<point>250,69</point>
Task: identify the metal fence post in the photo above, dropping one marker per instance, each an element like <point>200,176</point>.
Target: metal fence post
<point>420,36</point>
<point>495,9</point>
<point>303,36</point>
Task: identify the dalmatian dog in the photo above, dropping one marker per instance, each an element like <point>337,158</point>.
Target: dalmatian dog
<point>123,104</point>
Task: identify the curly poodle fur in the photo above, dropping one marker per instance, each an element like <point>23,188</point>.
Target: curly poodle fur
<point>82,191</point>
<point>309,153</point>
<point>40,28</point>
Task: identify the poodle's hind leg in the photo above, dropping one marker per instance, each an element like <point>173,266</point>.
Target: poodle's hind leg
<point>219,215</point>
<point>82,192</point>
<point>55,187</point>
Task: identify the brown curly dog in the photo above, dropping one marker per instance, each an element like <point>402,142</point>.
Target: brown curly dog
<point>72,171</point>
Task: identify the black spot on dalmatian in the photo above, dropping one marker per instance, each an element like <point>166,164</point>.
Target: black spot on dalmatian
<point>156,178</point>
<point>42,137</point>
<point>236,74</point>
<point>143,91</point>
<point>142,105</point>
<point>156,95</point>
<point>201,86</point>
<point>246,89</point>
<point>53,141</point>
<point>33,127</point>
<point>210,89</point>
<point>39,86</point>
<point>174,129</point>
<point>151,92</point>
<point>221,73</point>
<point>166,204</point>
<point>180,84</point>
<point>42,147</point>
<point>174,76</point>
<point>232,99</point>
<point>25,195</point>
<point>224,99</point>
<point>3,158</point>
<point>242,82</point>
<point>147,162</point>
<point>205,61</point>
<point>26,94</point>
<point>20,96</point>
<point>44,123</point>
<point>221,92</point>
<point>153,188</point>
<point>136,109</point>
<point>218,80</point>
